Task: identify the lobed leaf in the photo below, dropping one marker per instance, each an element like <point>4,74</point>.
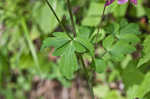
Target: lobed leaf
<point>68,62</point>
<point>146,50</point>
<point>86,44</point>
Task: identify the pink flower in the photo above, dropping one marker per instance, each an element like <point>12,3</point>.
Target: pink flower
<point>108,2</point>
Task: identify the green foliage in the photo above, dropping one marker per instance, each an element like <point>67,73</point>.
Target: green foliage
<point>66,48</point>
<point>24,24</point>
<point>113,95</point>
<point>86,44</point>
<point>140,90</point>
<point>108,42</point>
<point>45,18</point>
<point>78,47</point>
<point>68,62</point>
<point>95,10</point>
<point>122,39</point>
<point>131,75</point>
<point>100,65</point>
<point>120,10</point>
<point>146,57</point>
<point>58,41</point>
<point>140,9</point>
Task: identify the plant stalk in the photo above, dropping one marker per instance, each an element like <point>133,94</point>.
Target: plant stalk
<point>89,77</point>
<point>100,24</point>
<point>91,86</point>
<point>30,44</point>
<point>71,17</point>
<point>54,13</point>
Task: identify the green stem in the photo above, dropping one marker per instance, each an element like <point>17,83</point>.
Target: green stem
<point>71,17</point>
<point>83,66</point>
<point>30,44</point>
<point>100,25</point>
<point>89,77</point>
<point>54,13</point>
<point>91,86</point>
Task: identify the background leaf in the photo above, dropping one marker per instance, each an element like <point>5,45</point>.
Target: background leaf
<point>146,57</point>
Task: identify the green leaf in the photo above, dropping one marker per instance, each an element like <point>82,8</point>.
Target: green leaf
<point>132,92</point>
<point>144,60</point>
<point>60,34</point>
<point>131,28</point>
<point>130,38</point>
<point>146,50</point>
<point>100,65</point>
<point>95,9</point>
<point>140,90</point>
<point>108,42</point>
<point>112,28</point>
<point>147,96</point>
<point>45,18</point>
<point>131,75</point>
<point>120,10</point>
<point>86,44</point>
<point>146,43</point>
<point>140,9</point>
<point>123,23</point>
<point>78,47</point>
<point>68,62</point>
<point>91,21</point>
<point>84,32</point>
<point>99,37</point>
<point>101,91</point>
<point>113,95</point>
<point>93,16</point>
<point>144,87</point>
<point>54,41</point>
<point>122,47</point>
<point>61,49</point>
<point>121,40</point>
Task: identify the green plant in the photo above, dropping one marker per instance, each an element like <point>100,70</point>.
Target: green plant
<point>106,45</point>
<point>120,40</point>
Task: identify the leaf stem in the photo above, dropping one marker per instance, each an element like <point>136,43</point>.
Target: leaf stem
<point>100,24</point>
<point>89,77</point>
<point>91,86</point>
<point>30,44</point>
<point>71,17</point>
<point>54,13</point>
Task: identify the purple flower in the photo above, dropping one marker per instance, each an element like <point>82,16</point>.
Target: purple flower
<point>122,1</point>
<point>134,2</point>
<point>108,2</point>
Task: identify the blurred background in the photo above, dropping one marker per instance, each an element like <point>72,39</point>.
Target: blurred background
<point>28,73</point>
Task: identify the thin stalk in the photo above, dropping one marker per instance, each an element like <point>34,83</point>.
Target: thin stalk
<point>71,17</point>
<point>100,25</point>
<point>83,66</point>
<point>30,44</point>
<point>88,77</point>
<point>62,25</point>
<point>91,86</point>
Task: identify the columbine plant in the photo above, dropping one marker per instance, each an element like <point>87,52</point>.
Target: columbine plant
<point>72,48</point>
